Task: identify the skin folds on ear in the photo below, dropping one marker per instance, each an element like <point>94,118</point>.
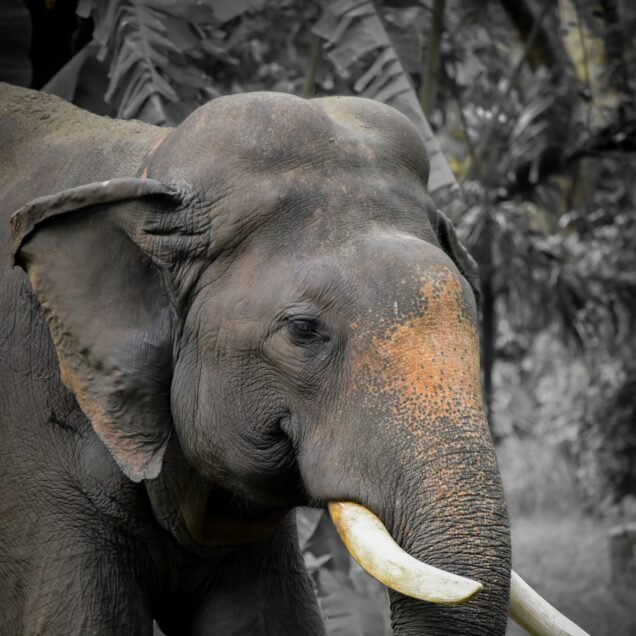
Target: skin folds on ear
<point>24,221</point>
<point>108,312</point>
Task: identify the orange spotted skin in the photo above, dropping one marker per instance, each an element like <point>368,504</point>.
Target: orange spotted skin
<point>425,366</point>
<point>430,361</point>
<point>421,369</point>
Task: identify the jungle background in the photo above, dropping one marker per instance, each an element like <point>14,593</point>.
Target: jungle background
<point>529,114</point>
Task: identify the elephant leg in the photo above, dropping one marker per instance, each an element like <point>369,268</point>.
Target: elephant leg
<point>65,570</point>
<point>84,591</point>
<point>263,590</point>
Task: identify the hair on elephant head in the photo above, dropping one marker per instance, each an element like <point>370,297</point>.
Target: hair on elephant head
<point>271,312</point>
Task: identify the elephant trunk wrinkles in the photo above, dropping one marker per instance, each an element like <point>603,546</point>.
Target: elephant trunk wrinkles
<point>454,517</point>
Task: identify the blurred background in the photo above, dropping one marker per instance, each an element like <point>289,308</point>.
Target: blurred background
<point>528,111</point>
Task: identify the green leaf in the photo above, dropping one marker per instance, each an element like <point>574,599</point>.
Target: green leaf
<point>135,34</point>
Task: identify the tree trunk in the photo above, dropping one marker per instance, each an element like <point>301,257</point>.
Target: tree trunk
<point>622,545</point>
<point>428,91</point>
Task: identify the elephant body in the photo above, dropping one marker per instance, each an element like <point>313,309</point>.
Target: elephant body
<point>205,327</point>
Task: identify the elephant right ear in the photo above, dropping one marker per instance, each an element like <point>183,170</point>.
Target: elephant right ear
<point>450,243</point>
<point>108,311</point>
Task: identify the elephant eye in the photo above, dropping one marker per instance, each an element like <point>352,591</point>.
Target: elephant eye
<point>307,331</point>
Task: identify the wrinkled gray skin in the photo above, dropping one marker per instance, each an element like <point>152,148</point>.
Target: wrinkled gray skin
<point>288,322</point>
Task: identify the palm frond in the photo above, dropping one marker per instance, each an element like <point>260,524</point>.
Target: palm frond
<point>355,36</point>
<point>156,51</point>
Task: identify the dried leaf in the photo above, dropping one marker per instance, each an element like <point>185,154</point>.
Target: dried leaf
<point>136,101</point>
<point>128,56</point>
<point>397,86</point>
<point>386,56</point>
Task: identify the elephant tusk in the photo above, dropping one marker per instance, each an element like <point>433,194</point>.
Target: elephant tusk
<point>535,614</point>
<point>371,545</point>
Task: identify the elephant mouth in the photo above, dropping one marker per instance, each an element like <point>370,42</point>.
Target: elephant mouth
<point>229,520</point>
<point>371,545</point>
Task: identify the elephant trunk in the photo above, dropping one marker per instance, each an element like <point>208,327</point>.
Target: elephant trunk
<point>450,570</point>
<point>448,517</point>
<point>440,497</point>
<point>417,395</point>
<point>455,519</point>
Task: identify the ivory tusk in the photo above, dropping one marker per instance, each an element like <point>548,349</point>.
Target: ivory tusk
<point>371,545</point>
<point>535,614</point>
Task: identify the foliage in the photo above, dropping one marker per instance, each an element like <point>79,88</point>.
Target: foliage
<point>165,58</point>
<point>576,424</point>
<point>142,40</point>
<point>549,209</point>
<point>605,444</point>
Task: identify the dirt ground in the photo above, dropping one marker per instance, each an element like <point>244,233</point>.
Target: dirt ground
<point>567,562</point>
<point>560,548</point>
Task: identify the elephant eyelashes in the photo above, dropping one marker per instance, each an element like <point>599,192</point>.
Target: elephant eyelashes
<point>307,331</point>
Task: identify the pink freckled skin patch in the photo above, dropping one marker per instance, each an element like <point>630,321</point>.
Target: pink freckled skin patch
<point>419,374</point>
<point>431,358</point>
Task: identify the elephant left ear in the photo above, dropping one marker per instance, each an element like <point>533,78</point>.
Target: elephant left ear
<point>108,310</point>
<point>450,243</point>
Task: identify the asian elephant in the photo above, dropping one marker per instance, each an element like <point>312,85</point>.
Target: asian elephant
<point>205,327</point>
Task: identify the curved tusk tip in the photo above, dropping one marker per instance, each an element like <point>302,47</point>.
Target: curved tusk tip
<point>470,589</point>
<point>535,614</point>
<point>371,545</point>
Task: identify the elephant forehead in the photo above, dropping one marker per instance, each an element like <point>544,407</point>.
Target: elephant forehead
<point>382,127</point>
<point>307,213</point>
<point>271,132</point>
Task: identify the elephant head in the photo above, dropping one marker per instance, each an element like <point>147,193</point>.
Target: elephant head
<point>272,313</point>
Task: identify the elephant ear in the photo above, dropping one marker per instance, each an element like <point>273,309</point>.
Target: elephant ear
<point>108,311</point>
<point>450,243</point>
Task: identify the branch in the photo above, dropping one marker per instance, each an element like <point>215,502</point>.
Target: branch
<point>314,63</point>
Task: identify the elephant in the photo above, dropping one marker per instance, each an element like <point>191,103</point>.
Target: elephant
<point>208,326</point>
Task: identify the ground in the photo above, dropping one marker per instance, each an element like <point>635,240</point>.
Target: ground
<point>561,547</point>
